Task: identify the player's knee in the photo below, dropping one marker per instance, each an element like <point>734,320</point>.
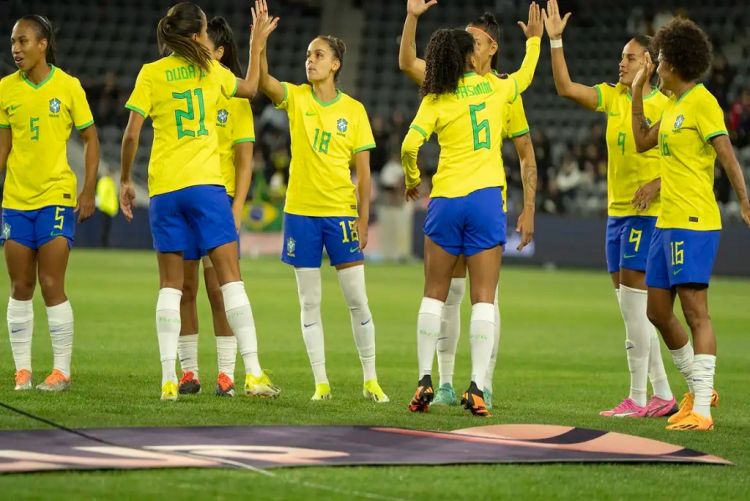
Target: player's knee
<point>456,291</point>
<point>52,287</point>
<point>658,318</point>
<point>189,293</point>
<point>22,289</point>
<point>696,318</point>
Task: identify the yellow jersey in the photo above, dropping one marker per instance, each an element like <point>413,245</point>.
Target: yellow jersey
<point>182,101</point>
<point>234,123</point>
<point>628,170</point>
<point>688,158</point>
<point>325,136</point>
<point>516,123</point>
<point>41,118</point>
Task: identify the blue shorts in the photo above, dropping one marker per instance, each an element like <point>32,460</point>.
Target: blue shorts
<point>197,215</point>
<point>467,225</point>
<point>678,257</point>
<point>627,242</point>
<point>305,237</point>
<point>34,228</point>
<point>194,252</point>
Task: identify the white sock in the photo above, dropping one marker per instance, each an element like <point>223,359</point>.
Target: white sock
<point>60,320</point>
<point>656,372</point>
<point>637,340</point>
<point>683,359</point>
<point>226,354</point>
<point>450,330</point>
<point>20,329</point>
<point>496,346</point>
<point>428,330</point>
<point>240,318</point>
<point>187,351</point>
<point>482,336</point>
<point>352,282</point>
<point>309,291</point>
<point>168,330</point>
<point>704,367</point>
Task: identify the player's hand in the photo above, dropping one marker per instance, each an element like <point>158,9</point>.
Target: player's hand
<point>552,21</point>
<point>646,194</point>
<point>534,28</point>
<point>412,194</point>
<point>525,226</point>
<point>86,203</point>
<point>745,211</point>
<point>644,74</point>
<point>363,226</point>
<point>237,213</point>
<point>418,7</point>
<point>263,25</point>
<point>127,199</point>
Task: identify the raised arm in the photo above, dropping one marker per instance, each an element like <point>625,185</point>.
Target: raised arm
<point>408,62</point>
<point>87,197</point>
<point>646,136</point>
<point>263,26</point>
<point>269,86</point>
<point>533,31</point>
<point>362,164</point>
<point>725,152</point>
<point>582,94</point>
<point>130,141</point>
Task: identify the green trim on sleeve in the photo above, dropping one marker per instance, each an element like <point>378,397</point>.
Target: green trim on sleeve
<point>137,110</point>
<point>715,134</point>
<point>519,133</point>
<point>420,130</point>
<point>365,147</point>
<point>4,126</point>
<point>236,86</point>
<point>599,97</point>
<point>286,92</point>
<point>243,140</point>
<point>515,82</point>
<point>85,126</point>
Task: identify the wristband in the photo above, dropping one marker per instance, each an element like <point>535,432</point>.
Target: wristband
<point>556,44</point>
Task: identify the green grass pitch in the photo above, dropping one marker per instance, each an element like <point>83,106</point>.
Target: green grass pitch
<point>561,362</point>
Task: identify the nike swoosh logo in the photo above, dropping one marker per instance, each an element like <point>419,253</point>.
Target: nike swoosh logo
<point>310,114</point>
<point>353,250</point>
<point>675,272</point>
<point>628,256</point>
<point>13,331</point>
<point>614,114</point>
<point>366,321</point>
<point>309,325</point>
<point>14,107</point>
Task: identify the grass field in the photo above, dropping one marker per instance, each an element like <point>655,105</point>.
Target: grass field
<point>561,362</point>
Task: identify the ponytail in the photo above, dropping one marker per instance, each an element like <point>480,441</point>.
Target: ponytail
<point>445,59</point>
<point>221,35</point>
<point>174,34</point>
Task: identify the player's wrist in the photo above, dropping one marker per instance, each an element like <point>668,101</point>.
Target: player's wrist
<point>556,43</point>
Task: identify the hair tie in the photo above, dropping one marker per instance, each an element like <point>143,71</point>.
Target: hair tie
<point>480,30</point>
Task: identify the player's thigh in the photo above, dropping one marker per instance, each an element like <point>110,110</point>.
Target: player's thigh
<point>658,261</point>
<point>484,272</point>
<point>303,241</point>
<point>170,229</point>
<point>21,264</point>
<point>191,279</point>
<point>438,270</point>
<point>459,270</point>
<point>635,243</point>
<point>52,259</point>
<point>171,270</point>
<point>341,241</point>
<point>484,221</point>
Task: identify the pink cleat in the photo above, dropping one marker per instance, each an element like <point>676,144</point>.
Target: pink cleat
<point>626,408</point>
<point>658,407</point>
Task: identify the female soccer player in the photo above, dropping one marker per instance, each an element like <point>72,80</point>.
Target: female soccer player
<point>182,93</point>
<point>689,135</point>
<point>39,105</point>
<point>486,33</point>
<point>466,214</point>
<point>633,205</point>
<point>234,126</point>
<point>329,132</point>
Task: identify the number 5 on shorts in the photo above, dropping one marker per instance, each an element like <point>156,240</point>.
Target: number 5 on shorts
<point>59,218</point>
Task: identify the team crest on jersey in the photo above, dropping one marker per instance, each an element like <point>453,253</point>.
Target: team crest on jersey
<point>6,231</point>
<point>290,246</point>
<point>678,123</point>
<point>342,125</point>
<point>54,105</point>
<point>222,117</point>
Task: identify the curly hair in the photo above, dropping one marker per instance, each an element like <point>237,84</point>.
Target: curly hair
<point>685,47</point>
<point>445,60</point>
<point>487,22</point>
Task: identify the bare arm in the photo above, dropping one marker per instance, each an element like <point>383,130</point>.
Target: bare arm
<point>263,26</point>
<point>408,62</point>
<point>87,197</point>
<point>243,176</point>
<point>582,94</point>
<point>127,156</point>
<point>362,164</point>
<point>725,152</point>
<point>268,84</point>
<point>646,136</point>
<point>525,224</point>
<point>6,141</point>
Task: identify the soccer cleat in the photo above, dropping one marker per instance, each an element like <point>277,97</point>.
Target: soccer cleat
<point>189,384</point>
<point>260,386</point>
<point>56,381</point>
<point>693,422</point>
<point>686,406</point>
<point>224,386</point>
<point>445,395</point>
<point>626,408</point>
<point>322,392</point>
<point>169,391</point>
<point>473,400</point>
<point>374,392</point>
<point>658,407</point>
<point>23,380</point>
<point>420,402</point>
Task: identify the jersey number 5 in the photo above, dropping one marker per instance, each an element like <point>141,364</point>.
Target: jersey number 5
<point>189,114</point>
<point>481,130</point>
